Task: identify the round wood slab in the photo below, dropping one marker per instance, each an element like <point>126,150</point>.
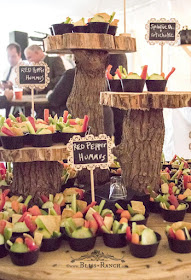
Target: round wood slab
<point>29,154</point>
<point>90,41</point>
<point>104,263</point>
<point>146,100</point>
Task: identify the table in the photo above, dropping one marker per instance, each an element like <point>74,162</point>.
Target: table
<point>40,100</point>
<point>104,263</point>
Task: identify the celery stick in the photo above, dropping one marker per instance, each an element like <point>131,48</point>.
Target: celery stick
<point>101,205</point>
<point>29,197</point>
<point>118,206</point>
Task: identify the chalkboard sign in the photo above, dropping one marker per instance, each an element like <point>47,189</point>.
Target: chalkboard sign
<point>33,76</point>
<point>90,152</point>
<point>162,31</point>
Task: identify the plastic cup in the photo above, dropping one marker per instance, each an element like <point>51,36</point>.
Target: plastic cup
<point>18,94</point>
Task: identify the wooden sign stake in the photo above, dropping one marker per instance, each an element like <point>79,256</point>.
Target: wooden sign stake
<point>124,1</point>
<point>92,185</point>
<point>32,105</point>
<point>162,57</point>
<point>90,152</point>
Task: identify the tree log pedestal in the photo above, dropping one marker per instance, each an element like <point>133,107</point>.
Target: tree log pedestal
<point>36,170</point>
<point>139,152</point>
<point>36,178</point>
<point>91,52</point>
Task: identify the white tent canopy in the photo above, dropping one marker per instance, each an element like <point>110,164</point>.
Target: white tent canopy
<point>38,15</point>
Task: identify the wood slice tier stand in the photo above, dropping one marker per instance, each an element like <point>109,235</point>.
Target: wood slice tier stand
<point>35,170</point>
<point>91,54</point>
<point>140,150</point>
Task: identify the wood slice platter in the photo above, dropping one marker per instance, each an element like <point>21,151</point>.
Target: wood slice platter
<point>56,152</point>
<point>90,41</point>
<point>104,263</point>
<point>146,100</point>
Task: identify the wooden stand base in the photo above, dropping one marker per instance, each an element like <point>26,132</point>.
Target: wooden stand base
<point>140,151</point>
<point>36,178</point>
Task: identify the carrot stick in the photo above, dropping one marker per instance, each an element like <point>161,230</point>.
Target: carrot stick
<point>170,73</point>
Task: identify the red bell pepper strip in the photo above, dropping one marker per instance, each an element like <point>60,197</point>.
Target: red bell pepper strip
<point>2,226</point>
<point>185,180</point>
<point>7,131</point>
<point>108,75</point>
<point>2,201</point>
<point>3,173</point>
<point>174,158</point>
<point>46,115</point>
<point>162,74</point>
<point>24,209</point>
<point>119,211</point>
<point>57,208</point>
<point>30,244</point>
<point>19,119</point>
<point>29,223</point>
<point>173,200</point>
<point>144,72</point>
<point>170,190</point>
<point>87,224</point>
<point>31,120</point>
<point>72,122</point>
<point>80,192</point>
<point>89,206</point>
<point>44,198</point>
<point>2,165</point>
<point>128,234</point>
<point>23,216</point>
<point>118,73</point>
<point>9,122</point>
<point>171,233</point>
<point>85,123</point>
<point>170,73</point>
<point>35,211</point>
<point>6,192</point>
<point>167,170</point>
<point>98,219</point>
<point>65,116</point>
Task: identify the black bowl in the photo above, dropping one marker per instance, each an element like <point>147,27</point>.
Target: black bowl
<point>143,222</point>
<point>23,259</point>
<point>189,208</point>
<point>179,246</point>
<point>112,30</point>
<point>154,207</point>
<point>64,234</point>
<point>82,244</point>
<point>51,244</point>
<point>42,140</point>
<point>3,251</point>
<point>62,28</point>
<point>81,29</point>
<point>115,240</point>
<point>115,85</point>
<point>65,137</point>
<point>98,27</point>
<point>185,36</point>
<point>173,215</point>
<point>28,140</point>
<point>133,85</point>
<point>156,85</point>
<point>12,142</point>
<point>57,137</point>
<point>145,251</point>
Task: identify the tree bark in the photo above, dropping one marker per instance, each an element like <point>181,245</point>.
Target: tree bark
<point>36,178</point>
<point>84,98</point>
<point>140,151</point>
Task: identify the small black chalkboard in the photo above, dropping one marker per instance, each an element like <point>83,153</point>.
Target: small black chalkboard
<point>32,75</point>
<point>90,152</point>
<point>161,31</point>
